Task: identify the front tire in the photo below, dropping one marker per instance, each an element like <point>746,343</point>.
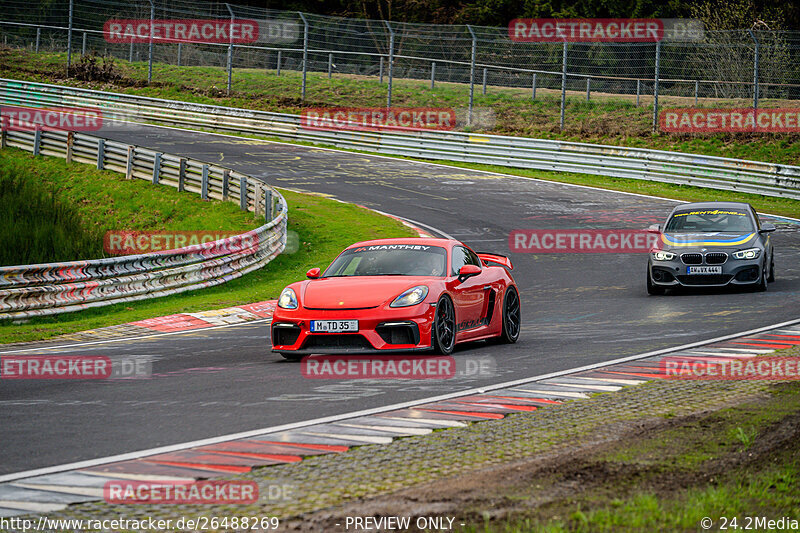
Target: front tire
<point>762,283</point>
<point>443,332</point>
<point>652,288</point>
<point>512,319</point>
<point>771,277</point>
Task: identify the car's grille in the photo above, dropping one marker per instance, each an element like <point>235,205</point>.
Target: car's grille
<point>352,341</point>
<point>692,259</point>
<point>285,334</point>
<point>716,258</point>
<point>705,279</point>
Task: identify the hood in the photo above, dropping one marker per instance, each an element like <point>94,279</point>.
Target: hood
<point>356,292</point>
<point>709,239</point>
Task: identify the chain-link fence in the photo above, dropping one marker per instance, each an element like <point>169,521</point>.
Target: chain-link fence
<point>743,65</point>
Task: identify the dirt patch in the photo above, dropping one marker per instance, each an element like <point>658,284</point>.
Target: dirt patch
<point>593,474</point>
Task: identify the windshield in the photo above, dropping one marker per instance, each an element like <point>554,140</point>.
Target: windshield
<point>710,220</point>
<point>390,260</point>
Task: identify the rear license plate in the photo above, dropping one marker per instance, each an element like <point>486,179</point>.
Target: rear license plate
<point>338,326</point>
<point>704,270</point>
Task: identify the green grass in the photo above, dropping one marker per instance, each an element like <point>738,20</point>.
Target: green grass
<point>606,119</point>
<point>323,227</point>
<point>51,211</point>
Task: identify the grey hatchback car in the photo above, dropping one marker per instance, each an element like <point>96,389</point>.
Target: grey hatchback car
<point>711,244</point>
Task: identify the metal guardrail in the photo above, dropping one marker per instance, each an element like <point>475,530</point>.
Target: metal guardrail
<point>52,288</point>
<point>621,162</point>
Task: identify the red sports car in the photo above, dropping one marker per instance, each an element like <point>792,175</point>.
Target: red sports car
<point>398,295</point>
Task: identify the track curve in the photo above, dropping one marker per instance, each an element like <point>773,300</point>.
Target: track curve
<point>577,309</point>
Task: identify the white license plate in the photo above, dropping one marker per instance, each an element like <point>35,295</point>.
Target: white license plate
<point>704,270</point>
<point>337,326</point>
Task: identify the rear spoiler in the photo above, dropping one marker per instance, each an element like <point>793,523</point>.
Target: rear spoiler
<point>496,259</point>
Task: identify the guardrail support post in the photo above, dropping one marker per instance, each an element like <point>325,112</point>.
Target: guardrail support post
<point>69,37</point>
<point>380,71</point>
<point>433,73</point>
<point>101,154</point>
<point>267,205</point>
<point>484,82</point>
<point>243,193</point>
<point>70,143</point>
<point>563,84</point>
<point>655,86</point>
<point>157,168</point>
<point>471,74</point>
<point>391,63</point>
<point>696,91</point>
<point>588,88</point>
<point>3,127</point>
<point>204,183</point>
<point>38,38</point>
<point>533,87</point>
<point>638,91</point>
<point>330,65</point>
<point>37,141</point>
<point>279,63</point>
<point>182,174</point>
<point>129,165</point>
<point>150,52</point>
<point>305,55</point>
<point>180,53</point>
<point>130,52</point>
<point>226,174</point>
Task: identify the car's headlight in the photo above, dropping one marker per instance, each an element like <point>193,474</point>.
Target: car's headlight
<point>750,253</point>
<point>661,255</point>
<point>412,296</point>
<point>288,299</point>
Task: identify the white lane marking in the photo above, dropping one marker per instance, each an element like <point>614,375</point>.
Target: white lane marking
<point>554,394</point>
<point>127,339</point>
<point>32,506</point>
<point>391,429</point>
<point>616,380</point>
<point>375,410</point>
<point>608,388</point>
<point>372,154</point>
<point>80,491</point>
<point>441,423</point>
<point>139,477</point>
<point>360,438</point>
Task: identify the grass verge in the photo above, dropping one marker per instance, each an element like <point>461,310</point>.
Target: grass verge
<point>606,119</point>
<point>324,227</point>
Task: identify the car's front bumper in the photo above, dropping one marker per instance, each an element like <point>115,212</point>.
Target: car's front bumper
<point>383,330</point>
<point>674,273</point>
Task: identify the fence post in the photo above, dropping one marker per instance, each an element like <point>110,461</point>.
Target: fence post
<point>3,127</point>
<point>588,88</point>
<point>130,53</point>
<point>69,38</point>
<point>484,82</point>
<point>279,63</point>
<point>37,141</point>
<point>38,37</point>
<point>267,205</point>
<point>471,74</point>
<point>755,70</point>
<point>226,175</point>
<point>305,55</point>
<point>533,87</point>
<point>83,45</point>
<point>181,175</point>
<point>391,63</point>
<point>433,73</point>
<point>330,65</point>
<point>70,143</point>
<point>380,71</point>
<point>563,84</point>
<point>638,91</point>
<point>204,183</point>
<point>156,168</point>
<point>230,48</point>
<point>180,53</point>
<point>243,193</point>
<point>696,91</point>
<point>150,51</point>
<point>101,153</point>
<point>129,164</point>
<point>655,86</point>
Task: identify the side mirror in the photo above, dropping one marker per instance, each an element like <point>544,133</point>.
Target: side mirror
<point>654,228</point>
<point>467,271</point>
<point>766,227</point>
<point>313,273</point>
